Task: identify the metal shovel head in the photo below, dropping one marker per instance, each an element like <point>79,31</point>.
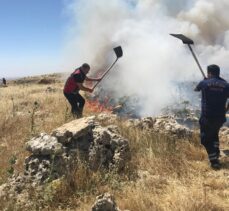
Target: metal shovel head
<point>184,39</point>
<point>118,51</point>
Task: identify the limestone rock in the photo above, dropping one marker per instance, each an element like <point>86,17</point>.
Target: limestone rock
<point>57,155</point>
<point>38,168</point>
<point>83,139</point>
<point>108,150</point>
<point>163,124</point>
<point>105,202</point>
<point>110,118</point>
<point>44,145</point>
<point>73,130</point>
<point>170,126</point>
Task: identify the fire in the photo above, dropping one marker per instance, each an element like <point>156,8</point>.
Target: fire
<point>98,102</point>
<point>98,106</point>
<point>104,101</point>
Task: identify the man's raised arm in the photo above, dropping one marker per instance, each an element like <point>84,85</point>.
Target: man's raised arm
<point>82,87</point>
<point>92,79</point>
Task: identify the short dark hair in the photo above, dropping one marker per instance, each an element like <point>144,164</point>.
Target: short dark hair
<point>85,66</point>
<point>214,69</point>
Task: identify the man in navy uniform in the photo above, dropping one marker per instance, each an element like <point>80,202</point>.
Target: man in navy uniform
<point>215,92</point>
<point>72,87</point>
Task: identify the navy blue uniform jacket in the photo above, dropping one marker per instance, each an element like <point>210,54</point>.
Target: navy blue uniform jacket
<point>215,92</point>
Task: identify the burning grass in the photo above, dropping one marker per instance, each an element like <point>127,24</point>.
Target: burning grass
<point>164,173</point>
<point>94,106</point>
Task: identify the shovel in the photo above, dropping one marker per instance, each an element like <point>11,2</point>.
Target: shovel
<point>189,42</point>
<point>118,53</point>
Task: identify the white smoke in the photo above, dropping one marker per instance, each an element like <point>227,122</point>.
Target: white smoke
<point>152,60</point>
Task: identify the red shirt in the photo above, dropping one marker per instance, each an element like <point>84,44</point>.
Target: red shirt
<point>71,84</point>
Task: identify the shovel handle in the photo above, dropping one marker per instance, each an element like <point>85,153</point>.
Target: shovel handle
<point>106,73</point>
<point>194,56</point>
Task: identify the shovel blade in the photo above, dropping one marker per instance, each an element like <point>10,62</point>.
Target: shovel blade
<point>184,39</point>
<point>118,51</point>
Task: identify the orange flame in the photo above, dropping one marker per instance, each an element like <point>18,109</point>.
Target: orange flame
<point>98,107</point>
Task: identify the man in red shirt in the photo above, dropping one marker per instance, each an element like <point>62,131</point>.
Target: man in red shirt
<point>72,87</point>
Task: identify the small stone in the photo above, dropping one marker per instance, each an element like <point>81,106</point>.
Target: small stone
<point>105,202</point>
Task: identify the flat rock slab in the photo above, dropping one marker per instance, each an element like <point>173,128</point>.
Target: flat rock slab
<point>74,129</point>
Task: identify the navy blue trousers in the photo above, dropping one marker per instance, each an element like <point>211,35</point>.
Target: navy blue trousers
<point>77,103</point>
<point>209,133</point>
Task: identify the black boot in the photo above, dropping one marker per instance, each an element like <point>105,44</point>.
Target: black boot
<point>215,164</point>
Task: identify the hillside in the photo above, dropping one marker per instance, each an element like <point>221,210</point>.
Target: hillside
<point>166,171</point>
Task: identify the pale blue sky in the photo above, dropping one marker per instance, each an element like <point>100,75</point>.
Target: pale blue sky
<point>32,34</point>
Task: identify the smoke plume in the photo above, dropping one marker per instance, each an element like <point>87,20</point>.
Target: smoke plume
<point>153,61</point>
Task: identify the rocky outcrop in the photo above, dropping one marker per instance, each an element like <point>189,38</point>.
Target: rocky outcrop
<point>108,149</point>
<point>105,202</point>
<point>109,118</point>
<point>56,155</point>
<point>44,145</point>
<point>74,130</point>
<point>82,139</point>
<point>168,125</point>
<point>163,124</point>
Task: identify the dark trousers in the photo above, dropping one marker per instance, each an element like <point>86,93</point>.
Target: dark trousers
<point>77,103</point>
<point>209,133</point>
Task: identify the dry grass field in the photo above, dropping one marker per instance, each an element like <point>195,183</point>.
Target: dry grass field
<point>164,173</point>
